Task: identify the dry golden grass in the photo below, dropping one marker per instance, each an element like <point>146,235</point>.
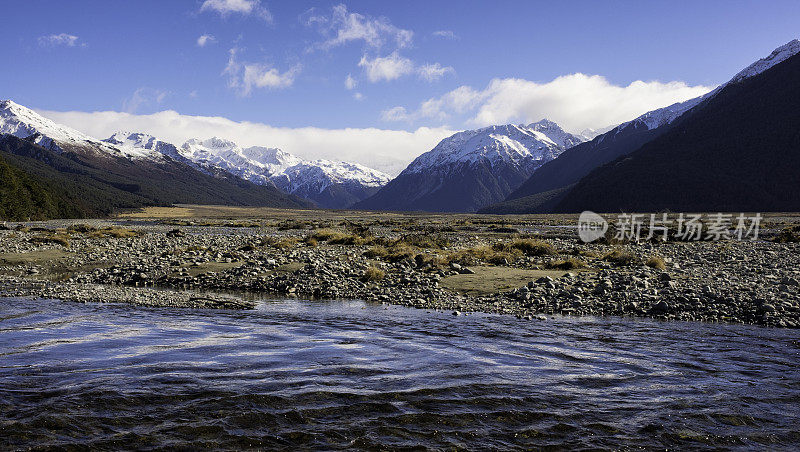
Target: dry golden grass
<point>57,239</point>
<point>376,252</point>
<point>373,273</point>
<point>529,247</point>
<point>656,262</point>
<point>567,264</point>
<point>620,257</point>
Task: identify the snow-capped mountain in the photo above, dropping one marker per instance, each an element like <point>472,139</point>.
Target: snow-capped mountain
<point>474,168</point>
<point>627,137</point>
<point>25,123</point>
<point>330,184</point>
<point>508,143</point>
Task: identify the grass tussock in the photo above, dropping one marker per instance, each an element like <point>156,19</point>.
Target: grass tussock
<point>620,257</point>
<point>56,239</point>
<point>788,235</point>
<point>424,241</point>
<point>373,273</point>
<point>376,252</point>
<point>571,263</point>
<point>281,243</point>
<point>656,262</point>
<point>528,247</point>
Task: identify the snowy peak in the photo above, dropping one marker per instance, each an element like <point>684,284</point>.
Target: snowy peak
<point>555,133</point>
<point>25,123</point>
<point>777,56</point>
<point>541,142</point>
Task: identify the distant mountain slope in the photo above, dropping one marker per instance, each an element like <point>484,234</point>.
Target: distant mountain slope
<point>472,169</point>
<point>147,176</point>
<point>740,152</point>
<point>579,161</point>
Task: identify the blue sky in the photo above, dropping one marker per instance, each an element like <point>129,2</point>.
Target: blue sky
<point>432,65</point>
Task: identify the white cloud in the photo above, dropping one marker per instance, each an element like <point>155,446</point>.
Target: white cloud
<point>386,68</point>
<point>61,39</point>
<point>245,76</point>
<point>342,27</point>
<point>358,96</point>
<point>396,114</point>
<point>576,101</point>
<point>143,97</point>
<point>244,7</point>
<point>385,150</point>
<point>446,34</point>
<point>350,82</point>
<point>433,72</point>
<point>203,40</point>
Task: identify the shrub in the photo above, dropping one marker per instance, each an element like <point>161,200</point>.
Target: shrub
<point>620,257</point>
<point>312,242</point>
<point>656,262</point>
<point>373,273</point>
<point>568,264</point>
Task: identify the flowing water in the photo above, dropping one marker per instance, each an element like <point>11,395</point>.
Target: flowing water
<point>335,375</point>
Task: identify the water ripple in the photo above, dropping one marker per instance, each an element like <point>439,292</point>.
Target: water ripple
<point>341,375</point>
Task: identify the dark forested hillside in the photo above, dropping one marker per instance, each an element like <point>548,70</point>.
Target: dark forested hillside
<point>740,152</point>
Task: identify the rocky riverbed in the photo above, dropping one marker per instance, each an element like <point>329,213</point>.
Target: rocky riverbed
<point>530,267</point>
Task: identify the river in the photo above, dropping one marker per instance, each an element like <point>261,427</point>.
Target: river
<point>339,375</point>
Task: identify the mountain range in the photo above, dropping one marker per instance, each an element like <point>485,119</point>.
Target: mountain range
<point>334,185</point>
<point>473,169</point>
<point>155,172</point>
<point>100,177</point>
<point>734,148</point>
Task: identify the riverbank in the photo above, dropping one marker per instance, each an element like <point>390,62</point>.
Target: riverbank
<point>526,266</point>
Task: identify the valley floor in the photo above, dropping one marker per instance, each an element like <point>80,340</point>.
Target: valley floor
<point>529,266</point>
